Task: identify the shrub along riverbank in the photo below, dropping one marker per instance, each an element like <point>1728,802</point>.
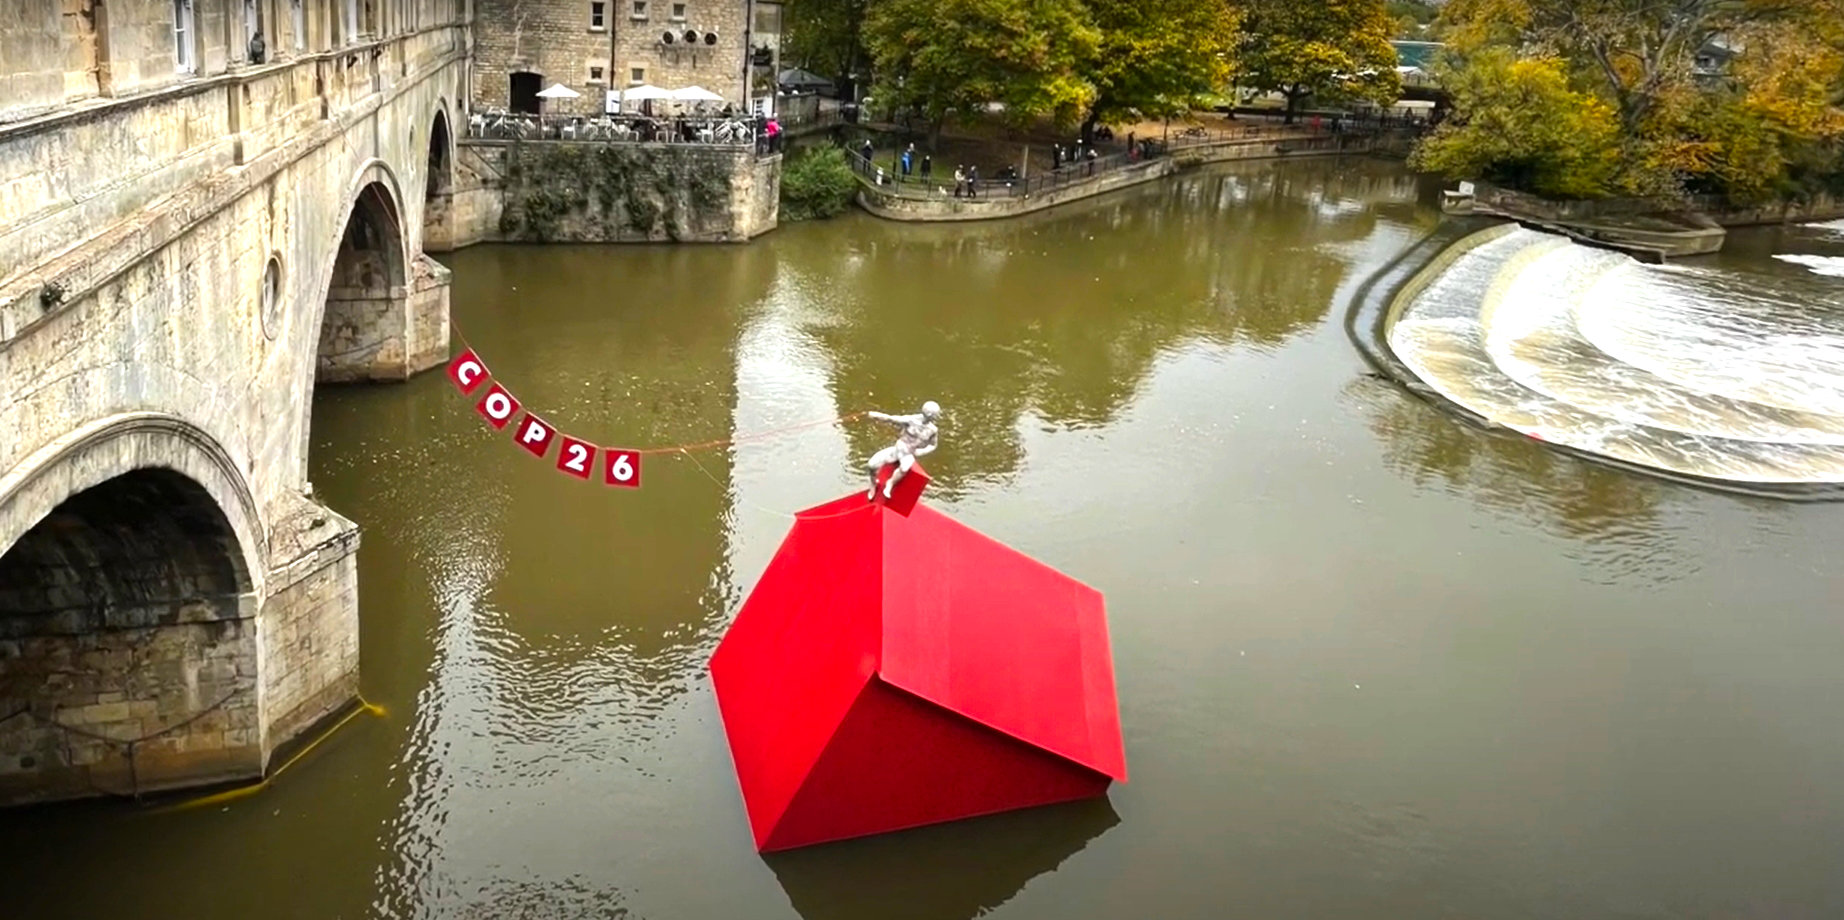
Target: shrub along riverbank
<point>816,184</point>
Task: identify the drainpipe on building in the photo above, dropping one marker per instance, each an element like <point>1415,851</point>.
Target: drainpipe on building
<point>749,54</point>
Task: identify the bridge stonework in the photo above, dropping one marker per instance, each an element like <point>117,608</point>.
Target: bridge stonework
<point>185,250</point>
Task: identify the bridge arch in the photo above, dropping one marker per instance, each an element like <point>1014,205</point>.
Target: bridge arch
<point>129,590</point>
<point>360,328</point>
<point>439,182</point>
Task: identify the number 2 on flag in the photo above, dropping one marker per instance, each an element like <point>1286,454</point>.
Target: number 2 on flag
<point>576,458</point>
<point>623,467</point>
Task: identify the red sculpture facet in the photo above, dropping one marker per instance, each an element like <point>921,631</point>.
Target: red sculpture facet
<point>896,668</point>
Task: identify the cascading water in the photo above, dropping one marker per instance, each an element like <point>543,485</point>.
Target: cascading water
<point>1697,370</point>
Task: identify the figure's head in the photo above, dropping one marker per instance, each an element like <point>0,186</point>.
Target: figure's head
<point>931,410</point>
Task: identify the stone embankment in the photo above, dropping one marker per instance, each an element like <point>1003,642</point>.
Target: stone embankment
<point>596,192</point>
<point>1649,230</point>
<point>935,203</point>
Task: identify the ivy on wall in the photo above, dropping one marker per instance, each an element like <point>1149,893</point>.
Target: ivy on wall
<point>561,191</point>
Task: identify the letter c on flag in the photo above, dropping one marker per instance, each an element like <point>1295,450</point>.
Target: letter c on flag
<point>467,371</point>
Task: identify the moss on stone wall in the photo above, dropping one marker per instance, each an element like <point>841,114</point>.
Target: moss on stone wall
<point>593,192</point>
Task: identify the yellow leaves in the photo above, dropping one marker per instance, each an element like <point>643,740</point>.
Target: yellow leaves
<point>1790,79</point>
<point>1518,122</point>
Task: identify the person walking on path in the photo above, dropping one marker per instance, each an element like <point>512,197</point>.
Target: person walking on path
<point>928,166</point>
<point>866,152</point>
<point>960,180</point>
<point>973,182</point>
<point>909,160</point>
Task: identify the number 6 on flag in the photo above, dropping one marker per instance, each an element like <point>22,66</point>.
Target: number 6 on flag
<point>623,468</point>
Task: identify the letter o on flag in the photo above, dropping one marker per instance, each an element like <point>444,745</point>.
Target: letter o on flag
<point>497,407</point>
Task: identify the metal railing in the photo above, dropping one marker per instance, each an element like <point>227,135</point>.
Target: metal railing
<point>890,180</point>
<point>636,129</point>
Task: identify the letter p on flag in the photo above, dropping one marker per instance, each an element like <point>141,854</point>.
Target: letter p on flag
<point>534,435</point>
<point>467,372</point>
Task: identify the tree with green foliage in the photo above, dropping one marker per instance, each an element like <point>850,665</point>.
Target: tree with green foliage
<point>943,57</point>
<point>825,36</point>
<point>1300,48</point>
<point>1156,57</point>
<point>1518,123</point>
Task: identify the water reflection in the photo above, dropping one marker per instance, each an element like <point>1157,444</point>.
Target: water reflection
<point>1060,317</point>
<point>1611,518</point>
<point>901,876</point>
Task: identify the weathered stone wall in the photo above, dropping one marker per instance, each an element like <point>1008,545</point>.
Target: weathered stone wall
<point>479,196</point>
<point>556,39</point>
<point>135,331</point>
<point>127,645</point>
<point>551,38</point>
<point>309,644</point>
<point>589,192</point>
<point>757,199</point>
<point>718,67</point>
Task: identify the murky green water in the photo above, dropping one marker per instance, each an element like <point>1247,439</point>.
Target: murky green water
<point>1372,664</point>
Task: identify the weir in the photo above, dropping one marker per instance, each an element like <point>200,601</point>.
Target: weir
<point>1693,371</point>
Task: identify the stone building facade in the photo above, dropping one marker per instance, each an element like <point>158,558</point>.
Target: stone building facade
<point>192,234</point>
<point>593,46</point>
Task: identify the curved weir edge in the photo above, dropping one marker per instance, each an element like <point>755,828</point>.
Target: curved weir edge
<point>1380,300</point>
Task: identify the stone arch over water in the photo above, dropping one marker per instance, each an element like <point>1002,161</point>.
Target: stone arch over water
<point>362,329</point>
<point>438,185</point>
<point>128,640</point>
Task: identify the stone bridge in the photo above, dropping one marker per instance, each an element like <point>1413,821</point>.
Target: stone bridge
<point>190,239</point>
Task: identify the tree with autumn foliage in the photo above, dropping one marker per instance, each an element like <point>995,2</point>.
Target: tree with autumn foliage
<point>945,57</point>
<point>1772,116</point>
<point>1155,57</point>
<point>1303,48</point>
<point>1518,123</point>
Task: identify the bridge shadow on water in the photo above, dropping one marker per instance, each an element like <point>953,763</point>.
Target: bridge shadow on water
<point>949,871</point>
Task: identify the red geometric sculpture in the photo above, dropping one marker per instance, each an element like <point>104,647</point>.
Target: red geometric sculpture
<point>895,669</point>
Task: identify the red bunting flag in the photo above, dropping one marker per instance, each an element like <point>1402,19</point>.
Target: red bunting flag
<point>534,435</point>
<point>623,470</point>
<point>467,372</point>
<point>576,458</point>
<point>497,407</point>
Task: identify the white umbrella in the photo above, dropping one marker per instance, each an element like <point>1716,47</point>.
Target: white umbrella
<point>644,92</point>
<point>696,94</point>
<point>559,91</point>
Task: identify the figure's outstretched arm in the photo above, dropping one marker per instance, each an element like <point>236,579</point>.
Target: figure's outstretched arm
<point>879,417</point>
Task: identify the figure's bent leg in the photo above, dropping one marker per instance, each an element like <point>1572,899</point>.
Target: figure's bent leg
<point>877,462</point>
<point>903,464</point>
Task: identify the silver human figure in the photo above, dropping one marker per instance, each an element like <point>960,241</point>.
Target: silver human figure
<point>919,438</point>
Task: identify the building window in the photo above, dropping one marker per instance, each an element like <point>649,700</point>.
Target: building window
<point>598,15</point>
<point>300,24</point>
<point>352,22</point>
<point>678,12</point>
<point>254,41</point>
<point>182,36</point>
<point>640,9</point>
<point>636,75</point>
<point>596,74</point>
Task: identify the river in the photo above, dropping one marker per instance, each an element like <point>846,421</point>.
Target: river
<point>1372,663</point>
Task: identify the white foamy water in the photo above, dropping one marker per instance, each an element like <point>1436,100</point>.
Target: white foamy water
<point>1830,266</point>
<point>1699,371</point>
<point>1835,226</point>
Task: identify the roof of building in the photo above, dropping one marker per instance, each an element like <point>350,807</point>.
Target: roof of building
<point>1417,54</point>
<point>927,605</point>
